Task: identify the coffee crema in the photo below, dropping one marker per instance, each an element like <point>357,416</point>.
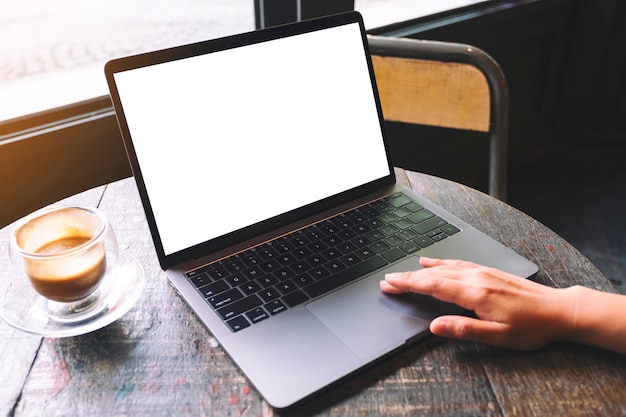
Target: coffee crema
<point>67,280</point>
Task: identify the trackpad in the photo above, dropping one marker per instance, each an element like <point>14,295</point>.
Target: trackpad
<point>371,322</point>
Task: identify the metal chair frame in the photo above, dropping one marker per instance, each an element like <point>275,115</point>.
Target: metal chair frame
<point>499,97</point>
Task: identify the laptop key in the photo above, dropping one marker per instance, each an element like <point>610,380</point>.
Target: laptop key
<point>408,234</point>
<point>213,289</point>
<point>249,287</point>
<point>375,235</point>
<point>365,253</point>
<point>236,266</point>
<point>295,298</point>
<point>251,260</point>
<point>235,279</point>
<point>301,266</point>
<point>286,259</point>
<point>253,272</point>
<point>361,241</point>
<point>239,307</point>
<point>410,247</point>
<point>316,260</point>
<point>402,212</point>
<point>343,277</point>
<point>424,241</point>
<point>389,229</point>
<point>257,315</point>
<point>302,253</point>
<point>346,247</point>
<point>266,281</point>
<point>268,253</point>
<point>394,254</point>
<point>319,272</point>
<point>420,216</point>
<point>238,323</point>
<point>450,229</point>
<point>335,266</point>
<point>399,200</point>
<point>270,266</point>
<point>275,307</point>
<point>380,247</point>
<point>283,274</point>
<point>350,260</point>
<point>332,253</point>
<point>388,218</point>
<point>317,247</point>
<point>200,280</point>
<point>286,287</point>
<point>429,225</point>
<point>217,273</point>
<point>413,207</point>
<point>439,237</point>
<point>303,280</point>
<point>433,233</point>
<point>403,224</point>
<point>224,298</point>
<point>269,294</point>
<point>394,241</point>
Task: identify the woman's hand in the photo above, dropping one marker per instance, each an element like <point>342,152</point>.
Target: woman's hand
<point>512,312</point>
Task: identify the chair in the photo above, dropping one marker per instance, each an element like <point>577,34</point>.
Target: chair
<point>446,85</point>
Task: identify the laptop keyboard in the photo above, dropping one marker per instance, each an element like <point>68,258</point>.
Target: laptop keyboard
<point>266,280</point>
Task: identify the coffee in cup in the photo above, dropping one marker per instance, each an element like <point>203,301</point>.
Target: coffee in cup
<point>65,252</point>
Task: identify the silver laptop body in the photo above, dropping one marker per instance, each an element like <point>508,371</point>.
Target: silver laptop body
<point>236,141</point>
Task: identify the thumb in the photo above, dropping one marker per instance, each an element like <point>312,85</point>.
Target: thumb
<point>470,329</point>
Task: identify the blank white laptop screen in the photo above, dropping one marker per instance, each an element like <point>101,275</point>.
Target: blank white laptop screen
<point>289,121</point>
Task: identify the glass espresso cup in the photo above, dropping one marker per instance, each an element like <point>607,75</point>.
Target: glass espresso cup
<point>66,255</point>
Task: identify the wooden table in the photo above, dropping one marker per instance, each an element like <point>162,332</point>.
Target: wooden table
<point>159,359</point>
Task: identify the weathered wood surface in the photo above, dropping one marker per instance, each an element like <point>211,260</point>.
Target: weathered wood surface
<point>159,360</point>
<point>18,349</point>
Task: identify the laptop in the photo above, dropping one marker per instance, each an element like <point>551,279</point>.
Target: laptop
<point>268,186</point>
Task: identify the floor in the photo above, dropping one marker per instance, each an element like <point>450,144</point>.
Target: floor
<point>580,193</point>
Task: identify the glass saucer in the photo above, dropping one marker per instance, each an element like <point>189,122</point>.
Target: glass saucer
<point>20,312</point>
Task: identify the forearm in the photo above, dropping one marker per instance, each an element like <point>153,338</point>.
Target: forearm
<point>599,319</point>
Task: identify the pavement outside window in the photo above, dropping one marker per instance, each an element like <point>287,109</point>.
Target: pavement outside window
<point>53,52</point>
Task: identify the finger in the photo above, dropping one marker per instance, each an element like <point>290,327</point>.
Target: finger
<point>427,282</point>
<point>390,289</point>
<point>455,263</point>
<point>471,329</point>
<point>400,282</point>
<point>429,262</point>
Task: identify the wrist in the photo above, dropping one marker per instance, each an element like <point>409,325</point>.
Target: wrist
<point>572,326</point>
<point>593,318</point>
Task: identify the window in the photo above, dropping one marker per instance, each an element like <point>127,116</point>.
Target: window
<point>53,52</point>
<point>57,49</point>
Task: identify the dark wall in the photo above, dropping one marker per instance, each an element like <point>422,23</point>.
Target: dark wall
<point>593,105</point>
<point>565,64</point>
